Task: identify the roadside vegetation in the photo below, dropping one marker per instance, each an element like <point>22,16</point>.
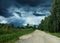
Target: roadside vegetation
<point>9,34</point>
<point>56,34</point>
<point>52,22</point>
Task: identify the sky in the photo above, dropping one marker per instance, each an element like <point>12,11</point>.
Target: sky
<point>23,12</point>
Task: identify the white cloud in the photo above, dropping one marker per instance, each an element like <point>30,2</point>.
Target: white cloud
<point>3,20</point>
<point>27,16</point>
<point>16,15</point>
<point>33,20</point>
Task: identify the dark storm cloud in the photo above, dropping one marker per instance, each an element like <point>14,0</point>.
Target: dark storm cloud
<point>35,2</point>
<point>28,2</point>
<point>4,4</point>
<point>39,14</point>
<point>4,12</point>
<point>14,9</point>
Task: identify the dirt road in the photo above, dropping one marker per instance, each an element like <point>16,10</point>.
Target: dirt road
<point>38,37</point>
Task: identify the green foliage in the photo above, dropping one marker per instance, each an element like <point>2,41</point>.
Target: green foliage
<point>56,34</point>
<point>52,22</point>
<point>8,33</point>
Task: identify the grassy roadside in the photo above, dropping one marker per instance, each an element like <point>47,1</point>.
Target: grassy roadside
<point>11,38</point>
<point>56,34</point>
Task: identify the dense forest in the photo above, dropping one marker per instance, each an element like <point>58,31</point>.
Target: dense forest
<point>52,22</point>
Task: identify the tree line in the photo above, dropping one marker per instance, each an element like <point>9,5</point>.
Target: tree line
<point>52,22</point>
<point>8,28</point>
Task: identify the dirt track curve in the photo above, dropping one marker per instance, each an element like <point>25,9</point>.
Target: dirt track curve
<point>38,37</point>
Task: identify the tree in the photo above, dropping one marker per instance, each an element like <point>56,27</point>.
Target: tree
<point>52,22</point>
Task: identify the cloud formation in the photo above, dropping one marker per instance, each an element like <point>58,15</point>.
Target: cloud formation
<point>20,12</point>
<point>35,2</point>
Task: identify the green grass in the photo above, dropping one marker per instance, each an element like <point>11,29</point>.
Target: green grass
<point>13,36</point>
<point>56,34</point>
